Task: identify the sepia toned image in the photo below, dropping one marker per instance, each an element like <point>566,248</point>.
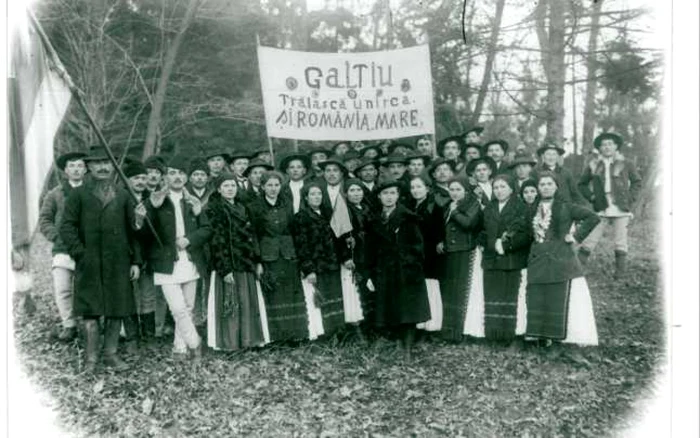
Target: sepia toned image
<point>377,218</point>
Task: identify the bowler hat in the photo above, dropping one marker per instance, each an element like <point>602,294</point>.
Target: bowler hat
<point>617,138</point>
<point>68,156</point>
<point>457,139</point>
<point>502,143</point>
<point>334,160</point>
<point>523,158</point>
<point>549,145</point>
<point>471,166</point>
<point>134,168</point>
<point>96,153</point>
<point>257,162</point>
<point>294,156</point>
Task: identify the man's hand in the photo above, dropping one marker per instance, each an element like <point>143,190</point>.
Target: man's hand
<point>440,248</point>
<point>499,247</point>
<point>370,285</point>
<point>311,278</point>
<point>195,203</point>
<point>158,196</point>
<point>229,278</point>
<point>134,273</point>
<point>182,243</point>
<point>259,270</point>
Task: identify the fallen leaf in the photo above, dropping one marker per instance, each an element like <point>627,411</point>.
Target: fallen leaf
<point>147,406</point>
<point>98,387</point>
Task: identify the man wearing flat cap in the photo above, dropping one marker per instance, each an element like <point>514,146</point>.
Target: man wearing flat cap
<point>99,229</point>
<point>612,185</point>
<point>72,164</point>
<point>180,261</point>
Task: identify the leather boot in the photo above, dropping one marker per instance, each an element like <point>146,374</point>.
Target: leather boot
<point>131,328</point>
<point>620,264</point>
<point>148,325</point>
<point>583,255</point>
<point>92,344</point>
<point>110,358</point>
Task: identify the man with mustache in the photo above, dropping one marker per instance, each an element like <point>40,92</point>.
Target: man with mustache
<point>99,229</point>
<point>72,164</point>
<point>155,168</point>
<point>179,262</point>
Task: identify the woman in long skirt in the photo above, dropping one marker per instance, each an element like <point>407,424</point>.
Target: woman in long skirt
<point>508,236</point>
<point>320,254</point>
<point>395,259</point>
<point>462,219</point>
<point>431,227</point>
<point>285,303</point>
<point>236,311</point>
<point>559,306</point>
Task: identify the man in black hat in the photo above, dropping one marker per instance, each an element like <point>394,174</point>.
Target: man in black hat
<point>612,185</point>
<point>341,148</point>
<point>400,148</point>
<point>441,172</point>
<point>155,168</point>
<point>334,172</point>
<point>367,172</point>
<point>198,180</point>
<point>452,149</point>
<point>522,166</point>
<point>550,154</point>
<point>217,160</point>
<point>253,174</point>
<point>98,229</point>
<point>497,149</point>
<point>372,152</point>
<point>180,261</point>
<point>424,145</point>
<point>295,166</point>
<point>239,163</point>
<point>317,156</point>
<point>351,159</point>
<point>472,152</point>
<point>72,164</point>
<point>396,166</point>
<point>262,154</point>
<point>417,163</point>
<point>473,135</point>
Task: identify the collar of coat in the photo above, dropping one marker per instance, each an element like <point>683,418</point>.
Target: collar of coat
<point>392,225</point>
<point>616,167</point>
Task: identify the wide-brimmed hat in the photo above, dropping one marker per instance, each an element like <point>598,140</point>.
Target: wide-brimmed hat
<point>257,162</point>
<point>471,166</point>
<point>334,160</point>
<point>62,160</point>
<point>218,153</point>
<point>456,138</point>
<point>502,143</point>
<point>522,159</point>
<point>549,145</point>
<point>416,155</point>
<point>234,155</point>
<point>395,158</point>
<point>133,168</point>
<point>393,146</point>
<point>376,147</point>
<point>477,129</point>
<point>304,158</point>
<point>96,153</point>
<point>474,146</point>
<point>367,162</point>
<point>439,162</point>
<point>617,138</point>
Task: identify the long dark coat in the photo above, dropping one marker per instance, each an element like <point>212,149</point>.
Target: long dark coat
<point>234,246</point>
<point>317,247</point>
<point>554,260</point>
<point>432,229</point>
<point>102,241</point>
<point>512,220</point>
<point>395,257</point>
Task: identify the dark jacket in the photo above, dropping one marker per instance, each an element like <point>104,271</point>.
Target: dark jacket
<point>317,247</point>
<point>503,170</point>
<point>208,191</point>
<point>462,226</point>
<point>361,219</point>
<point>234,246</point>
<point>101,239</point>
<point>162,258</point>
<point>568,190</point>
<point>513,221</point>
<point>430,223</point>
<point>625,185</point>
<point>51,213</point>
<point>395,258</point>
<point>441,196</point>
<point>286,192</point>
<point>273,228</point>
<point>554,260</point>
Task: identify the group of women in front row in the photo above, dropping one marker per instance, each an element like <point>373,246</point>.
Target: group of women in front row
<point>452,258</point>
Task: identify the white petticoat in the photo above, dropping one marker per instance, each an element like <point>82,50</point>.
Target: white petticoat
<point>580,327</point>
<point>435,300</point>
<point>313,312</point>
<point>352,306</point>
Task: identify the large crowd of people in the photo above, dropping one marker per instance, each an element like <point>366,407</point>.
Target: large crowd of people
<point>229,251</point>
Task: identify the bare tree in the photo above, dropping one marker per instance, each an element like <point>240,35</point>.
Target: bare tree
<point>592,84</point>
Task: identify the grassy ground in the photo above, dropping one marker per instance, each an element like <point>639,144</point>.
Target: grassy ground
<point>325,390</point>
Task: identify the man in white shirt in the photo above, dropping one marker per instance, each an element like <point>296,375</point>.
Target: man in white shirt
<point>295,166</point>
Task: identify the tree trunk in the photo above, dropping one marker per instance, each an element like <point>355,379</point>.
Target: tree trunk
<point>551,38</point>
<point>592,83</point>
<point>153,130</point>
<point>488,67</point>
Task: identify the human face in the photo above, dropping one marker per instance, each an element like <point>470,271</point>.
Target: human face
<point>472,137</point>
<point>228,189</point>
<point>457,191</point>
<point>238,166</point>
<point>419,190</point>
<point>482,172</point>
<point>314,197</point>
<point>352,164</point>
<point>608,148</point>
<point>547,187</point>
<point>216,164</point>
<point>355,194</point>
<point>138,182</point>
<point>523,171</point>
<point>75,170</point>
<point>389,197</point>
<point>318,157</point>
<point>199,179</point>
<point>371,154</point>
<point>296,170</point>
<point>101,169</point>
<point>272,188</point>
<point>496,152</point>
<point>501,190</point>
<point>341,149</point>
<point>424,146</point>
<point>443,173</point>
<point>176,178</point>
<point>255,174</point>
<point>396,170</point>
<point>332,174</point>
<point>368,173</point>
<point>265,156</point>
<point>529,195</point>
<point>550,157</point>
<point>473,153</point>
<point>451,150</point>
<point>153,177</point>
<point>416,166</point>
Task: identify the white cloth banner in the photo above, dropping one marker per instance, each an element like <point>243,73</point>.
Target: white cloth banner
<point>347,96</point>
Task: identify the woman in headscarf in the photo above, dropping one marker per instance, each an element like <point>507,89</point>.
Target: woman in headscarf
<point>236,311</point>
<point>559,306</point>
<point>528,193</point>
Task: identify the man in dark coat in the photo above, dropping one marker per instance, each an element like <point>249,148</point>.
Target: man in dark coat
<point>62,265</point>
<point>179,262</point>
<point>497,149</point>
<point>296,167</point>
<point>198,180</point>
<point>550,154</point>
<point>615,188</point>
<point>98,230</point>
